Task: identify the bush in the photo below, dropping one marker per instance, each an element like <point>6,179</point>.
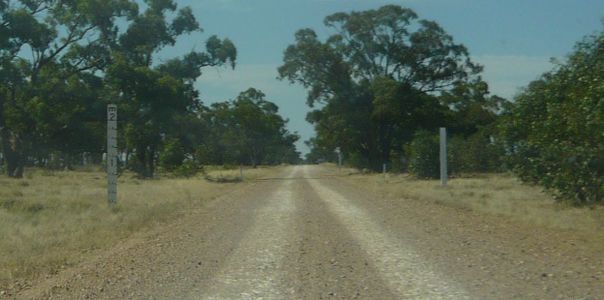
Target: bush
<point>554,131</point>
<point>474,154</point>
<point>355,159</point>
<point>207,154</point>
<point>424,155</point>
<point>398,162</point>
<point>189,168</point>
<point>172,155</point>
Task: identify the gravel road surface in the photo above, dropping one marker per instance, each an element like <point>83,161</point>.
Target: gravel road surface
<point>309,235</point>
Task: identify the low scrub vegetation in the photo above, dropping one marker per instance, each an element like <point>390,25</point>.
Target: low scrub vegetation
<point>424,155</point>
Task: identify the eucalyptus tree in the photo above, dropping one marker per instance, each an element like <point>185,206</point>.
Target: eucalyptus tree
<point>62,61</point>
<point>377,77</point>
<point>44,46</point>
<point>154,97</point>
<point>263,134</point>
<point>251,131</point>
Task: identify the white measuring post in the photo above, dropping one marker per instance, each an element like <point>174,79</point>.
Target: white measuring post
<point>241,172</point>
<point>339,152</point>
<point>112,153</point>
<point>443,156</point>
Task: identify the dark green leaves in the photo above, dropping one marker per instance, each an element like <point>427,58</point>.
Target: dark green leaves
<point>554,129</point>
<point>151,30</point>
<point>250,130</point>
<point>220,52</point>
<point>26,28</point>
<point>378,78</point>
<point>185,22</point>
<point>53,100</point>
<point>160,6</point>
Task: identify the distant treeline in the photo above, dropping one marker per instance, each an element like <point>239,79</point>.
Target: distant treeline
<point>385,80</point>
<point>62,62</point>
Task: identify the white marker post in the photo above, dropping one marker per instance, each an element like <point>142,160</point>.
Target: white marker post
<point>443,156</point>
<point>112,153</point>
<point>339,152</point>
<point>241,172</point>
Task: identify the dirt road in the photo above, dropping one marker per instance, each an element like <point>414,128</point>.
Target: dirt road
<point>307,235</point>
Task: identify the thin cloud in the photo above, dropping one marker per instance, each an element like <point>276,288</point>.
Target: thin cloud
<point>507,74</point>
<point>260,76</point>
<point>224,5</point>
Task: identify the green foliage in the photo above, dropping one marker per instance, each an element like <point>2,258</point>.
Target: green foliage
<point>318,154</point>
<point>380,77</point>
<point>474,154</point>
<point>188,168</point>
<point>160,101</point>
<point>424,155</point>
<point>40,102</point>
<point>172,155</point>
<point>554,130</point>
<point>62,62</point>
<point>399,162</point>
<point>249,130</point>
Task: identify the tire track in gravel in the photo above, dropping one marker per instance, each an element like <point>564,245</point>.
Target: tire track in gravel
<point>328,263</point>
<point>254,269</point>
<point>400,266</point>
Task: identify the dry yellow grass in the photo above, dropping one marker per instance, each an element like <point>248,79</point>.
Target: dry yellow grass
<point>49,221</point>
<point>498,194</point>
<point>232,174</point>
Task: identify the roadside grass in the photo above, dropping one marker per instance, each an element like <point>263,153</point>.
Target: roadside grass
<point>50,220</point>
<point>498,194</point>
<point>225,174</point>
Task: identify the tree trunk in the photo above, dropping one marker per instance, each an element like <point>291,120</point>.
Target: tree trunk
<point>253,161</point>
<point>254,157</point>
<point>67,166</point>
<point>151,166</point>
<point>141,166</point>
<point>127,157</point>
<point>13,157</point>
<point>20,168</point>
<point>145,157</point>
<point>385,144</point>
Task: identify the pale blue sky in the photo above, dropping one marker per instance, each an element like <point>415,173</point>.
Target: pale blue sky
<point>513,39</point>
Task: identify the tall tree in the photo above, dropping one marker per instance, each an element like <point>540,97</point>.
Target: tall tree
<point>377,77</point>
<point>43,45</point>
<point>264,138</point>
<point>152,98</point>
<point>251,131</point>
<point>62,61</point>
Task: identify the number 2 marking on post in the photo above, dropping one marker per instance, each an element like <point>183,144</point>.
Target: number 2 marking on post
<point>112,153</point>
